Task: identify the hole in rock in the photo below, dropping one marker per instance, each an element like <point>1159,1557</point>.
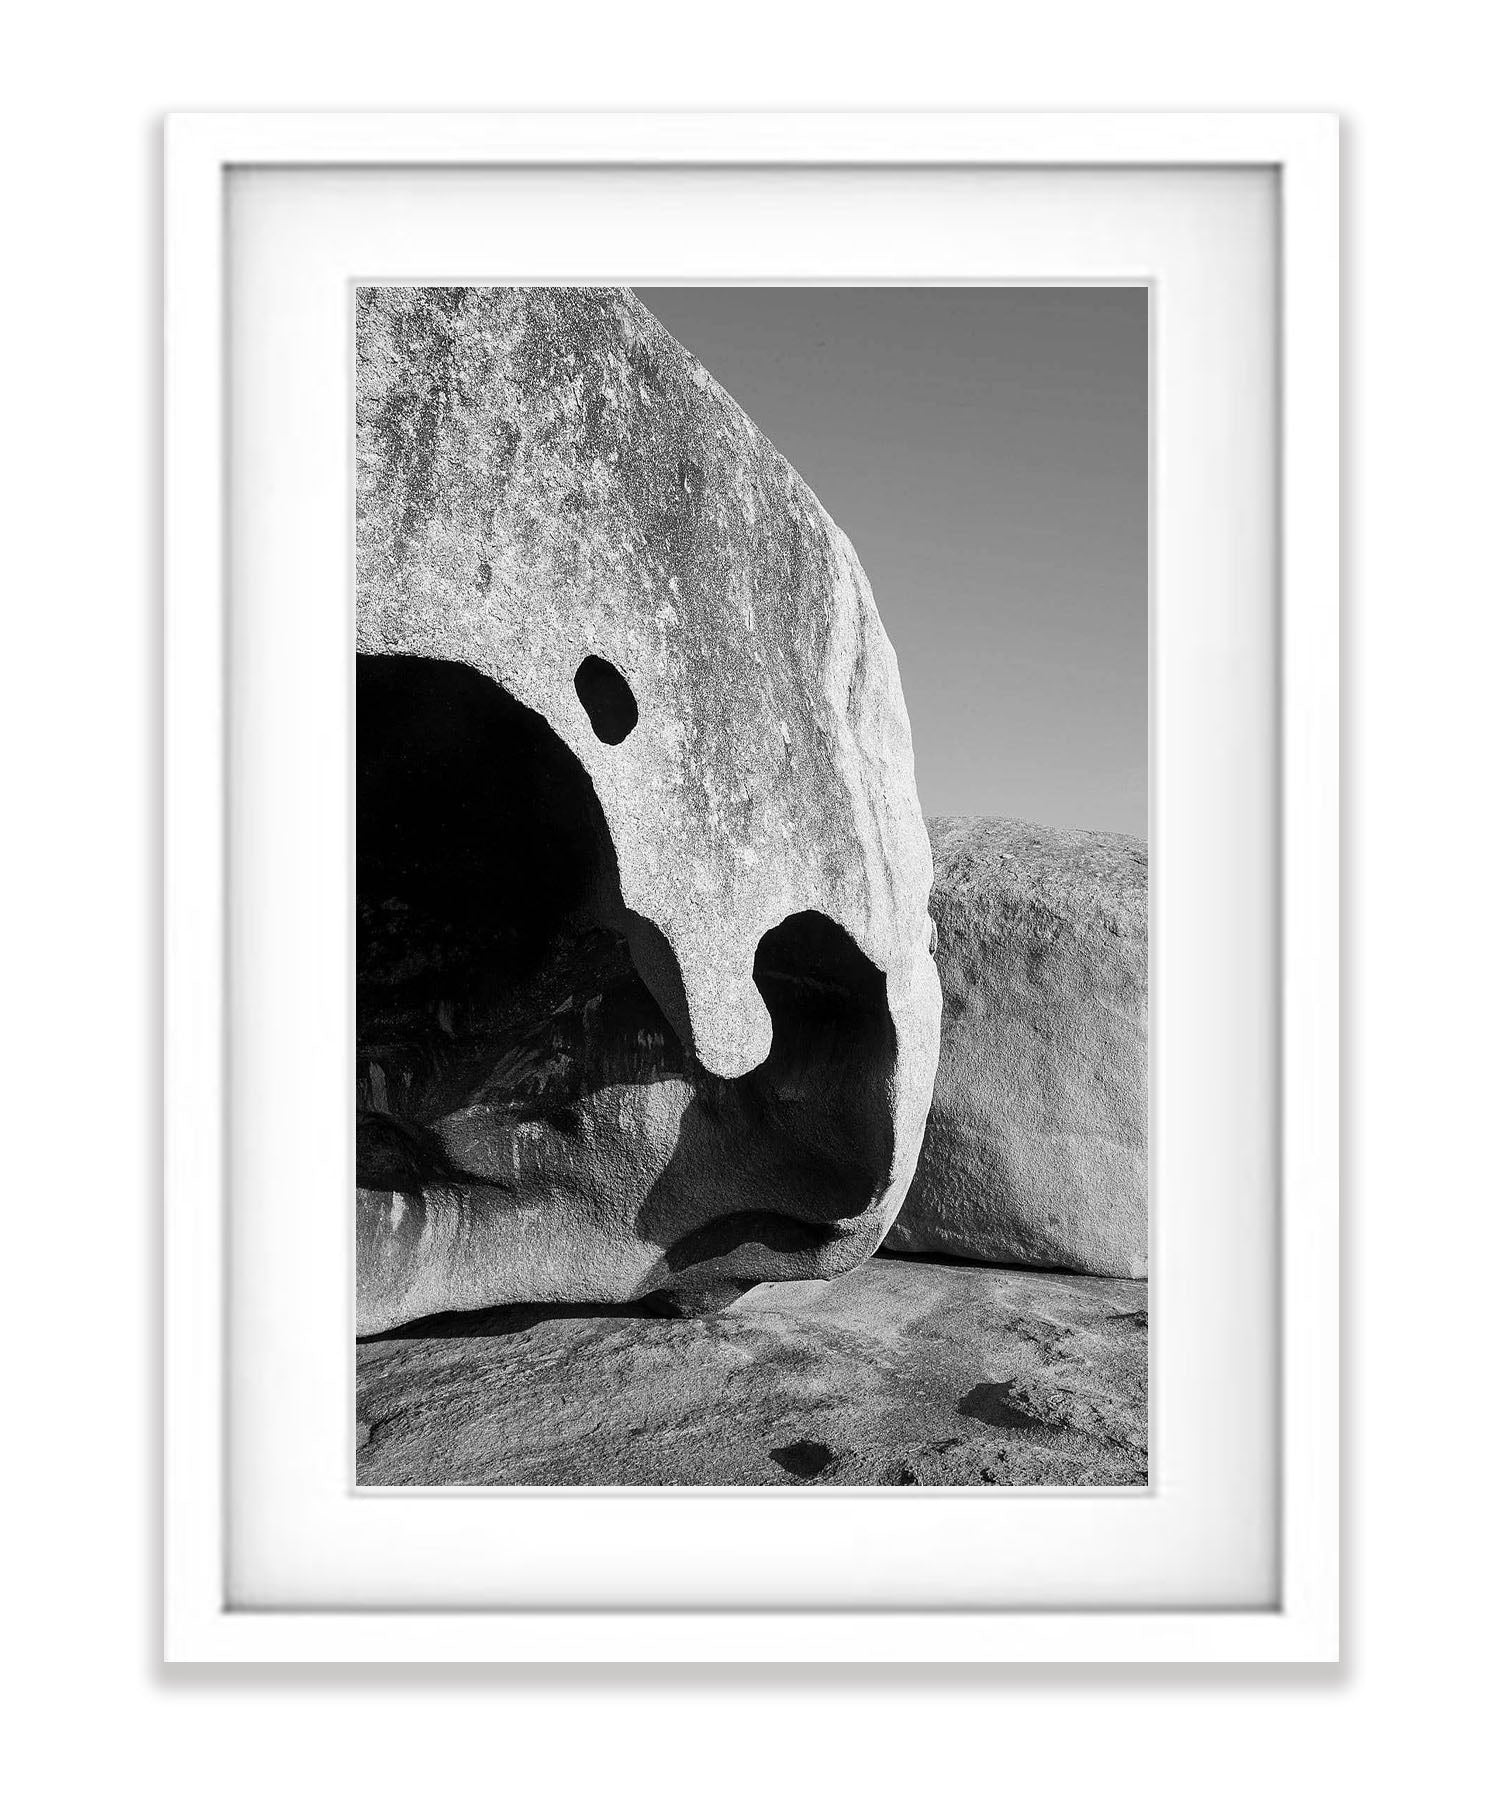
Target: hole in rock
<point>493,984</point>
<point>827,1080</point>
<point>805,1140</point>
<point>607,699</point>
<point>511,1013</point>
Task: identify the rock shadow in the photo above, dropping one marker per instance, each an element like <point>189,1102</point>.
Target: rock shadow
<point>805,1459</point>
<point>505,1321</point>
<point>996,1403</point>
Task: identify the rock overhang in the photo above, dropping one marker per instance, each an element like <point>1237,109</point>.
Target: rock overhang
<point>556,496</point>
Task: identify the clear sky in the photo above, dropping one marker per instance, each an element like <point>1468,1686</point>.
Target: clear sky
<point>985,449</point>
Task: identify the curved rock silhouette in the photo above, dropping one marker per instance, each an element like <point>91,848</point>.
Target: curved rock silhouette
<point>645,998</point>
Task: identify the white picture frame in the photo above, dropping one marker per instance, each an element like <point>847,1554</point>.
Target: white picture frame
<point>204,1619</point>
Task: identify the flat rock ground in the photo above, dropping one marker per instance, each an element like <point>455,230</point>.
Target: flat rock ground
<point>909,1371</point>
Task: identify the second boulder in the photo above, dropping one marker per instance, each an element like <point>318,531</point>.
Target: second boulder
<point>1036,1145</point>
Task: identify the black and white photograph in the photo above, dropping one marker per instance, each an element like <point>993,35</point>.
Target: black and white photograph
<point>749,770</point>
<point>751,937</point>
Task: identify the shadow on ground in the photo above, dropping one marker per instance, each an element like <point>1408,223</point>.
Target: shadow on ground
<point>909,1371</point>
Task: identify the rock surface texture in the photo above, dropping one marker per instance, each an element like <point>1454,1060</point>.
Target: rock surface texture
<point>903,1373</point>
<point>644,993</point>
<point>1035,1150</point>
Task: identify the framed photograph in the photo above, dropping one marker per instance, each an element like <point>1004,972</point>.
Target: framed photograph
<point>752,843</point>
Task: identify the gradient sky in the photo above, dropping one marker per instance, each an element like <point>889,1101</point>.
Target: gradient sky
<point>985,449</point>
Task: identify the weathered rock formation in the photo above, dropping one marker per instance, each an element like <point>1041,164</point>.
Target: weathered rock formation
<point>644,994</point>
<point>1035,1150</point>
<point>904,1373</point>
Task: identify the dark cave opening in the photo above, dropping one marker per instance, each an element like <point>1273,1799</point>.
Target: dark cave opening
<point>500,982</point>
<point>485,878</point>
<point>469,809</point>
<point>833,1048</point>
<point>805,1141</point>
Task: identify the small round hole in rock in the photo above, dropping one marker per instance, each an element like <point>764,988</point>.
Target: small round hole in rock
<point>607,699</point>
